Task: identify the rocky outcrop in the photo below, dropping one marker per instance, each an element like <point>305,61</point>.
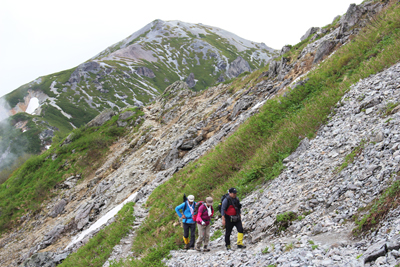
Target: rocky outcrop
<point>324,49</point>
<point>58,208</point>
<point>143,71</point>
<point>190,80</point>
<point>309,32</point>
<point>238,66</point>
<point>101,118</point>
<point>82,70</point>
<point>44,259</point>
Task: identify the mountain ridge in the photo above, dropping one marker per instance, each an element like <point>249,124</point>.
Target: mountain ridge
<point>132,72</point>
<point>300,120</point>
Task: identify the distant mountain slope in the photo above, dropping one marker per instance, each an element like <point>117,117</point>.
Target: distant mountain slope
<point>132,73</point>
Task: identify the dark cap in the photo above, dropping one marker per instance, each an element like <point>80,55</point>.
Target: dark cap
<point>232,190</point>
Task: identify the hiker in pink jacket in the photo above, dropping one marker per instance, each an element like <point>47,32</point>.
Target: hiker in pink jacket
<point>203,220</point>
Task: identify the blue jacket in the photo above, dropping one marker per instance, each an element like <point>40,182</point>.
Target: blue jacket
<point>187,211</point>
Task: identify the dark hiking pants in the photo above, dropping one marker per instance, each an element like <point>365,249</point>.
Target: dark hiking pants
<point>192,227</point>
<point>229,227</point>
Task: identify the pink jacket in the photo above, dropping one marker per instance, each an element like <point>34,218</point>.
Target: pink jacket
<point>202,215</point>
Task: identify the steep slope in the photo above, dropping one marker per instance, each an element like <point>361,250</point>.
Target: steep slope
<point>134,71</point>
<point>326,182</point>
<point>171,153</point>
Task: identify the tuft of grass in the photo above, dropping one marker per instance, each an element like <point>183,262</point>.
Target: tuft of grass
<point>265,250</point>
<point>217,234</point>
<point>289,247</point>
<point>350,157</point>
<point>283,220</point>
<point>390,199</point>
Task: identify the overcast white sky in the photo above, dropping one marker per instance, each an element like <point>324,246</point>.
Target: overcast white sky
<point>39,37</point>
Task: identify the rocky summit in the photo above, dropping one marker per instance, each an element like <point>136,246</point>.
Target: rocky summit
<point>311,140</point>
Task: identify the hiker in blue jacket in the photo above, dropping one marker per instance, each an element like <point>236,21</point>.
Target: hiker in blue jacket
<point>187,209</point>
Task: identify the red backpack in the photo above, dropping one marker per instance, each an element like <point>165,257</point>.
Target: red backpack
<point>196,210</point>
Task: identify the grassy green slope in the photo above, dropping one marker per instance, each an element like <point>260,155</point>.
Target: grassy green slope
<point>34,182</point>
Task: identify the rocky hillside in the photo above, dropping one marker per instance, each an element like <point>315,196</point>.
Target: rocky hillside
<point>132,72</point>
<point>328,181</point>
<point>311,141</point>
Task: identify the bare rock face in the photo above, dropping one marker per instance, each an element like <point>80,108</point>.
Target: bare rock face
<point>352,15</point>
<point>143,71</point>
<point>80,71</point>
<point>323,50</point>
<point>175,88</point>
<point>58,208</point>
<point>285,49</point>
<point>309,32</point>
<point>190,80</point>
<point>101,118</point>
<point>238,66</point>
<point>82,217</point>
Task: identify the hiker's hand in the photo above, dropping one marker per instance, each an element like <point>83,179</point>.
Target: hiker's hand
<point>223,221</point>
<point>203,223</point>
<point>183,216</point>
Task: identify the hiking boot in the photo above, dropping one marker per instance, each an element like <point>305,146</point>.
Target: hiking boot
<point>228,247</point>
<point>186,246</point>
<point>197,248</point>
<point>191,248</point>
<point>205,249</point>
<point>241,246</point>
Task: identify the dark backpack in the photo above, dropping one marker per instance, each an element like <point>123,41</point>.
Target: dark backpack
<point>196,210</point>
<point>220,204</point>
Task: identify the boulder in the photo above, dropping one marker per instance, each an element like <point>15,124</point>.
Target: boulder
<point>126,115</point>
<point>352,15</point>
<point>285,49</point>
<point>143,71</point>
<point>171,158</point>
<point>238,66</point>
<point>58,208</point>
<point>190,80</point>
<point>309,32</point>
<point>393,243</point>
<point>82,216</point>
<point>243,104</point>
<point>44,259</point>
<point>375,251</point>
<point>325,48</point>
<point>52,236</point>
<point>101,118</point>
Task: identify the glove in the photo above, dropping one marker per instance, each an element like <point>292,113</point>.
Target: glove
<point>203,223</point>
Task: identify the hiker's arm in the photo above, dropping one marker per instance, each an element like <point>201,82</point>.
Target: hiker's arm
<point>224,206</point>
<point>199,212</point>
<point>178,208</point>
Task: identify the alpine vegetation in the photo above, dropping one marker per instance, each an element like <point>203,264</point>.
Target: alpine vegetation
<point>294,163</point>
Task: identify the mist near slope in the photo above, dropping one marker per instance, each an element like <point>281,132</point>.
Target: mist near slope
<point>12,148</point>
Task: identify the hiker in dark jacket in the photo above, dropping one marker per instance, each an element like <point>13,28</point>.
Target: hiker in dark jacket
<point>231,217</point>
<point>203,219</point>
<point>187,208</point>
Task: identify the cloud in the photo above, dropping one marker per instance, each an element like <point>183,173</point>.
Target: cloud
<point>4,109</point>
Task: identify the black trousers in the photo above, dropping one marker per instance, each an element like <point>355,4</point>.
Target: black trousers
<point>192,227</point>
<point>229,227</point>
